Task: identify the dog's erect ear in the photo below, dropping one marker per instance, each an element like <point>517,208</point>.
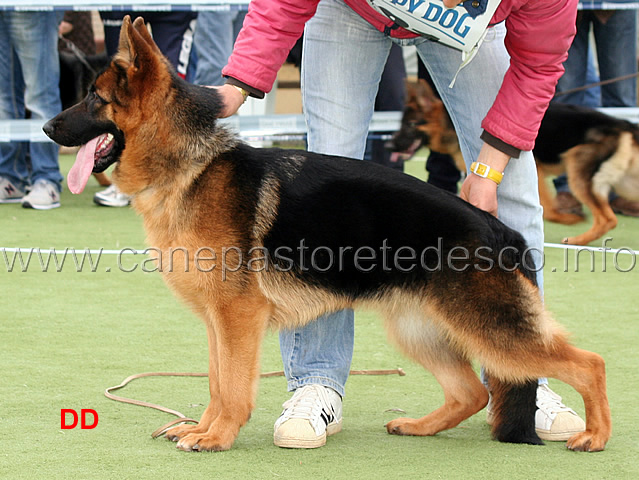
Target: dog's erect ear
<point>420,95</point>
<point>138,24</point>
<point>124,45</point>
<point>135,43</point>
<point>425,95</point>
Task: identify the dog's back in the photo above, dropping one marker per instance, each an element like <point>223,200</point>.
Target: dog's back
<point>565,126</point>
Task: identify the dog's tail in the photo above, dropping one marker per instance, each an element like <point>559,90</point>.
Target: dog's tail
<point>513,407</point>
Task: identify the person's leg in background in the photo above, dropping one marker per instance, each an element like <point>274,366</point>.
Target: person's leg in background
<point>576,65</point>
<point>391,96</point>
<point>213,42</point>
<point>41,72</point>
<point>173,34</point>
<point>30,81</point>
<point>616,42</point>
<point>14,173</point>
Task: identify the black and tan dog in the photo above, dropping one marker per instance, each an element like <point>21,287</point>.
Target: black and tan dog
<point>597,151</point>
<point>275,238</point>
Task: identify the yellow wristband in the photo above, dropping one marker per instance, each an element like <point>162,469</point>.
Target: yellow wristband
<point>485,171</point>
<point>244,93</point>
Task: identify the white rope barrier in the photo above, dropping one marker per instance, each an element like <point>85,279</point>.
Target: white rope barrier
<point>247,126</point>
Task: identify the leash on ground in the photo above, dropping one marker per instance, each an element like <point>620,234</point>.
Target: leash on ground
<point>183,418</point>
<point>597,84</point>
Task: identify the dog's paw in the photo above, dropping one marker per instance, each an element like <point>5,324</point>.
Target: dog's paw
<point>586,442</point>
<point>571,241</point>
<point>203,443</point>
<point>176,433</point>
<point>409,426</point>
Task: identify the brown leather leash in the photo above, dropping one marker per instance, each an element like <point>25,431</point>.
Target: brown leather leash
<point>183,418</point>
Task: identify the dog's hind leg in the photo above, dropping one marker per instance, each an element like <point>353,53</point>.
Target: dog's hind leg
<point>464,394</point>
<point>504,325</point>
<point>516,406</point>
<point>235,335</point>
<point>548,203</point>
<point>595,198</point>
<point>585,372</point>
<point>604,220</point>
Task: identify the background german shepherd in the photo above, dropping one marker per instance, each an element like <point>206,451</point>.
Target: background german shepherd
<point>597,151</point>
<point>284,236</point>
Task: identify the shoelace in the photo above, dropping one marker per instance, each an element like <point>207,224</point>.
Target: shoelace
<point>307,402</point>
<point>548,401</point>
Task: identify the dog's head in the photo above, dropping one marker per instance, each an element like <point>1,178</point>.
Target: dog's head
<point>425,123</point>
<point>138,96</point>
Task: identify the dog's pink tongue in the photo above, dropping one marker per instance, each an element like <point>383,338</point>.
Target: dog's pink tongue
<point>81,170</point>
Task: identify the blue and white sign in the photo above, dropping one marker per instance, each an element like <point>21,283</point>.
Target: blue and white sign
<point>462,27</point>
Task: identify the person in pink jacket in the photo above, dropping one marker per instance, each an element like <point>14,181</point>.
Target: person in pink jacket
<point>495,64</point>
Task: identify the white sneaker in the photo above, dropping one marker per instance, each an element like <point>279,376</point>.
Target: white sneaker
<point>111,197</point>
<point>44,195</point>
<point>313,413</point>
<point>9,193</point>
<point>554,421</point>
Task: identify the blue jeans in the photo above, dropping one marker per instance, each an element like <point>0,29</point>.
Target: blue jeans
<point>214,38</point>
<point>342,63</point>
<point>29,78</point>
<point>172,32</point>
<point>616,42</point>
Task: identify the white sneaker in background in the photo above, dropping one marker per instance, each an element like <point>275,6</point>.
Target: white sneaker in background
<point>44,195</point>
<point>111,197</point>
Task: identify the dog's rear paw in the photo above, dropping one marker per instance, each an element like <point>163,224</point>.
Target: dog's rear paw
<point>572,241</point>
<point>586,442</point>
<point>408,426</point>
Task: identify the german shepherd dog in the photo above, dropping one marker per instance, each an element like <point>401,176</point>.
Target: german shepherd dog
<point>289,235</point>
<point>597,151</point>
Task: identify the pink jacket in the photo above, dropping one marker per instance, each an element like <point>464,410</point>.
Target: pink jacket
<point>539,33</point>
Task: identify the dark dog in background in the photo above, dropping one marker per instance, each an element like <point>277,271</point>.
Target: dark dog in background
<point>77,73</point>
<point>283,217</point>
<point>597,151</point>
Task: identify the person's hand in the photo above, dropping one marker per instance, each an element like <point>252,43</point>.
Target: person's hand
<point>231,97</point>
<point>482,192</point>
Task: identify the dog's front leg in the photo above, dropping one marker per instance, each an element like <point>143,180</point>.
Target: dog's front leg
<point>234,337</point>
<point>213,408</point>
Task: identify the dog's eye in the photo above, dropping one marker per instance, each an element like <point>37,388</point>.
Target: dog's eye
<point>99,99</point>
<point>416,123</point>
<point>95,97</point>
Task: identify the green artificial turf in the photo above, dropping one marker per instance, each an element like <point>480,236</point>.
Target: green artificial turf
<point>66,335</point>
